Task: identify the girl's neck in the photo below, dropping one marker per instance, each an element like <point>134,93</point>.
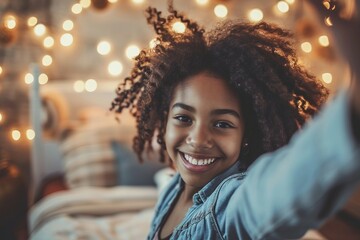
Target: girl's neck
<point>188,193</point>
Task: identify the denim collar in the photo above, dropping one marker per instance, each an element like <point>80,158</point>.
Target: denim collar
<point>209,188</point>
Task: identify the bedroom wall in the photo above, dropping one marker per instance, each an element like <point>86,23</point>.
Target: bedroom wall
<point>121,23</point>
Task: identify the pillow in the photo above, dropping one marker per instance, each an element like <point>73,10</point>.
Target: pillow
<point>130,171</point>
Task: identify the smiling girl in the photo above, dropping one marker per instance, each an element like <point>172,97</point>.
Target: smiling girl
<point>218,100</point>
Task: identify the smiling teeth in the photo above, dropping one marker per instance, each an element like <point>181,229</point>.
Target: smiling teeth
<point>198,162</point>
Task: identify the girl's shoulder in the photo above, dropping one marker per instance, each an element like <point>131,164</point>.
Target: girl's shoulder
<point>227,187</point>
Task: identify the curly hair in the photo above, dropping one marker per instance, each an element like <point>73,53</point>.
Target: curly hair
<point>276,94</point>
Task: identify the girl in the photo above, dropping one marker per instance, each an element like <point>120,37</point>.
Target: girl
<point>218,100</point>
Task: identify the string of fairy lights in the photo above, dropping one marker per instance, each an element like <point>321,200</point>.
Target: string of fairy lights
<point>115,67</point>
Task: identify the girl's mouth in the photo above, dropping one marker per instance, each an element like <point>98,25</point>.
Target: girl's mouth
<point>197,164</point>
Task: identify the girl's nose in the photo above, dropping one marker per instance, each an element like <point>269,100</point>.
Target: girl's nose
<point>200,137</point>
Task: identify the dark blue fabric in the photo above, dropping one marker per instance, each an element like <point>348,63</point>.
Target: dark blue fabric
<point>130,171</point>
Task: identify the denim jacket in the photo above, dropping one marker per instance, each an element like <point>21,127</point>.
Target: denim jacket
<point>283,194</point>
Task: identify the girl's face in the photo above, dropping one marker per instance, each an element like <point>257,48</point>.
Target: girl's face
<point>204,129</point>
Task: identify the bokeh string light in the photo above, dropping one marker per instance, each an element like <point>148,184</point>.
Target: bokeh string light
<point>65,36</point>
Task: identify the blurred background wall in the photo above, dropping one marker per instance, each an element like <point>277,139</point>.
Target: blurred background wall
<point>91,45</point>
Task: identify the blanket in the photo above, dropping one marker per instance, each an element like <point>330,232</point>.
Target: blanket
<point>94,213</point>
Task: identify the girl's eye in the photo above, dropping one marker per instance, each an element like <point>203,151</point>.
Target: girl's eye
<point>222,124</point>
<point>183,119</point>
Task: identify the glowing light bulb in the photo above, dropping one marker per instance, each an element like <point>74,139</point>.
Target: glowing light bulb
<point>85,3</point>
<point>47,60</point>
<point>138,1</point>
<point>327,77</point>
<point>179,27</point>
<point>16,135</point>
<point>10,22</point>
<point>43,78</point>
<point>115,68</point>
<point>220,10</point>
<point>202,2</point>
<point>283,6</point>
<point>79,86</point>
<point>76,8</point>
<point>30,134</point>
<point>324,41</point>
<point>329,5</point>
<point>68,25</point>
<point>255,15</point>
<point>39,30</point>
<point>32,21</point>
<point>48,42</point>
<point>1,117</point>
<point>29,78</point>
<point>328,21</point>
<point>104,47</point>
<point>66,39</point>
<point>306,47</point>
<point>90,85</point>
<point>1,70</point>
<point>132,51</point>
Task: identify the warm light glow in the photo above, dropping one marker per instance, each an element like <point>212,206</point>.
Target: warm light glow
<point>1,70</point>
<point>43,78</point>
<point>290,1</point>
<point>329,5</point>
<point>202,2</point>
<point>328,21</point>
<point>16,135</point>
<point>10,22</point>
<point>68,25</point>
<point>112,1</point>
<point>220,10</point>
<point>179,27</point>
<point>29,78</point>
<point>79,86</point>
<point>48,42</point>
<point>132,51</point>
<point>104,48</point>
<point>255,15</point>
<point>66,39</point>
<point>327,78</point>
<point>324,41</point>
<point>138,1</point>
<point>153,42</point>
<point>306,47</point>
<point>115,68</point>
<point>283,6</point>
<point>30,134</point>
<point>1,117</point>
<point>47,60</point>
<point>76,8</point>
<point>85,3</point>
<point>90,85</point>
<point>39,30</point>
<point>32,21</point>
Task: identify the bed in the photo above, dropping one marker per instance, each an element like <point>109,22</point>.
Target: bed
<point>109,194</point>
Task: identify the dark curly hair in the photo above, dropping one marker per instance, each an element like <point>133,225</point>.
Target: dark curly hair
<point>257,60</point>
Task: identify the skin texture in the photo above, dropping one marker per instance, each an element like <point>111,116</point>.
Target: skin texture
<point>205,122</point>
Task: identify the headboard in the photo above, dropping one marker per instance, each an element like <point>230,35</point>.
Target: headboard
<point>56,107</point>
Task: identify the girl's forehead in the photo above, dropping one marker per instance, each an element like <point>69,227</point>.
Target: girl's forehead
<point>204,89</point>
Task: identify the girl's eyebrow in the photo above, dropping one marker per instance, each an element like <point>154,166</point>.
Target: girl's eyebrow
<point>184,106</point>
<point>213,112</point>
<point>226,111</point>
